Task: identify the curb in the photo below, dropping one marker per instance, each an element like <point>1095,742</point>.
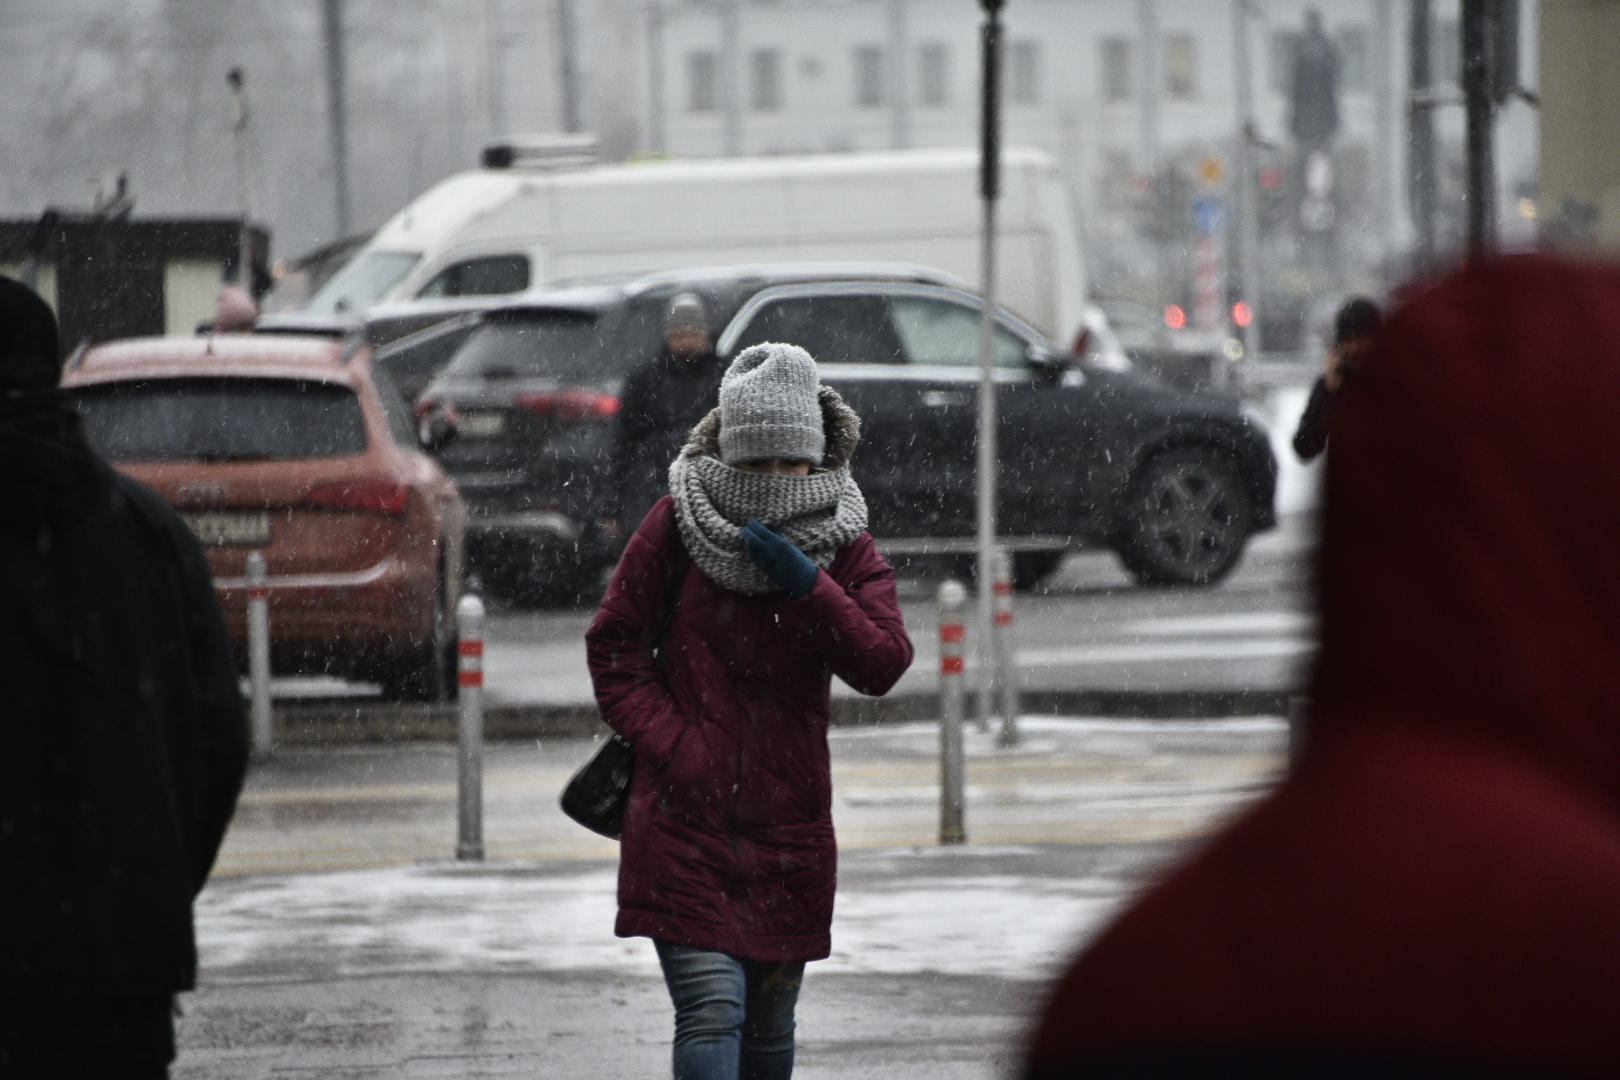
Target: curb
<point>340,723</point>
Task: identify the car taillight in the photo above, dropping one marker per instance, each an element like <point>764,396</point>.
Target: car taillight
<point>1082,343</point>
<point>569,404</point>
<point>387,497</point>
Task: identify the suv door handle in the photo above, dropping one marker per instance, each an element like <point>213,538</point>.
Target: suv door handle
<point>944,399</point>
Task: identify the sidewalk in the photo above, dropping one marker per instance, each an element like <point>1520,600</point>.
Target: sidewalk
<point>509,968</point>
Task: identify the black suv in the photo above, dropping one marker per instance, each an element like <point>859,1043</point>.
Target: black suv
<point>1174,483</point>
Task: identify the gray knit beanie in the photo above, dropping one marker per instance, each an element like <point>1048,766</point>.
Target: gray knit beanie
<point>769,406</point>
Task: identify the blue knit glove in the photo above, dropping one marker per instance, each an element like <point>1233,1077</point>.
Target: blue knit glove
<point>778,559</point>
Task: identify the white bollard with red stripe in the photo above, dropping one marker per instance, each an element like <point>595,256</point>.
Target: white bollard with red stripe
<point>470,730</point>
<point>1006,661</point>
<point>952,699</point>
<point>258,643</point>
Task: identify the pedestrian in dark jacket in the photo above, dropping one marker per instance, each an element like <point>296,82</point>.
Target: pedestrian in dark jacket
<point>728,859</point>
<point>1354,329</point>
<point>122,736</point>
<point>1434,890</point>
<point>660,402</point>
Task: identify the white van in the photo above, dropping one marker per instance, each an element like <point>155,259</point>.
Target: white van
<point>509,228</point>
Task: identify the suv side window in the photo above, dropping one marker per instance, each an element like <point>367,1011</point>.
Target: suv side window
<point>833,329</point>
<point>946,333</point>
<point>486,276</point>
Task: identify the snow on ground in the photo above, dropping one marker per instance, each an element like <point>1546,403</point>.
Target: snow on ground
<point>1011,912</point>
<point>511,920</point>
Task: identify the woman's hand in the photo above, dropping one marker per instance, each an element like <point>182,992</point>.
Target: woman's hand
<point>778,559</point>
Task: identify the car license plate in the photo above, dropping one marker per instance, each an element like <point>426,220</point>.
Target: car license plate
<point>481,425</point>
<point>222,527</point>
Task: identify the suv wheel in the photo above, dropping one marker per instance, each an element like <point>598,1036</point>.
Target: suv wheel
<point>1186,519</point>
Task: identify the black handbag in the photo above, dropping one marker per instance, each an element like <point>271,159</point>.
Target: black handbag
<point>596,794</point>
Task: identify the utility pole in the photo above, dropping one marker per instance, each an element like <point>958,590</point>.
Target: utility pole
<point>1420,134</point>
<point>899,100</point>
<point>1480,33</point>
<point>730,97</point>
<point>495,69</point>
<point>1147,19</point>
<point>1384,154</point>
<point>239,123</point>
<point>657,79</point>
<point>1248,200</point>
<point>337,104</point>
<point>567,65</point>
<point>989,192</point>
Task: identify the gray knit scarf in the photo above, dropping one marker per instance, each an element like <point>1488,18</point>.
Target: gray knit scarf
<point>819,513</point>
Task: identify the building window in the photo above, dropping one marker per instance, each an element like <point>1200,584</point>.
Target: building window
<point>933,74</point>
<point>868,75</point>
<point>1023,73</point>
<point>1180,67</point>
<point>1118,74</point>
<point>702,82</point>
<point>765,80</point>
<point>1445,54</point>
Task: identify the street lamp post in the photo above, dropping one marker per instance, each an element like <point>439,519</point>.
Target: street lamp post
<point>989,191</point>
<point>239,122</point>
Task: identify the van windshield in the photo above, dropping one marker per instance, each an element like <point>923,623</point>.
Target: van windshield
<point>363,281</point>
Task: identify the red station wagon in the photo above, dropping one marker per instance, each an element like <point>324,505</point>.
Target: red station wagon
<point>297,448</point>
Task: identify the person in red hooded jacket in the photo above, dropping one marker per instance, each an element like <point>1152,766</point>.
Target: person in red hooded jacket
<point>728,859</point>
<point>1434,889</point>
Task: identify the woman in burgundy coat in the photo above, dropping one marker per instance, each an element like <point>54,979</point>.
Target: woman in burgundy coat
<point>740,596</point>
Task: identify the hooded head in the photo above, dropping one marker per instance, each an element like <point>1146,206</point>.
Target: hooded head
<point>234,311</point>
<point>1472,509</point>
<point>686,312</point>
<point>769,406</point>
<point>30,356</point>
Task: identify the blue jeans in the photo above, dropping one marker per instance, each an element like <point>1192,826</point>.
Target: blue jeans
<point>733,1018</point>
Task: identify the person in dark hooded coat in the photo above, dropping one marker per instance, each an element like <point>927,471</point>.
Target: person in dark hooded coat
<point>728,857</point>
<point>1434,889</point>
<point>123,737</point>
<point>1355,327</point>
<point>660,401</point>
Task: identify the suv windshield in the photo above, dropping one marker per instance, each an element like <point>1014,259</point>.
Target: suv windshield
<point>572,347</point>
<point>221,419</point>
<point>363,281</point>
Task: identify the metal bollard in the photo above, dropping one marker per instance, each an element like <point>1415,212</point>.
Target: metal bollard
<point>470,730</point>
<point>1006,658</point>
<point>952,698</point>
<point>258,639</point>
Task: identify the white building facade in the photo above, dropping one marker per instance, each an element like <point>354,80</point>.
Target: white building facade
<point>1138,99</point>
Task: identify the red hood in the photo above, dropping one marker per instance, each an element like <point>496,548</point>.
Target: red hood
<point>1468,567</point>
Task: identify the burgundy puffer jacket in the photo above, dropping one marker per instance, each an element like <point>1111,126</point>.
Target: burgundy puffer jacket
<point>728,836</point>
